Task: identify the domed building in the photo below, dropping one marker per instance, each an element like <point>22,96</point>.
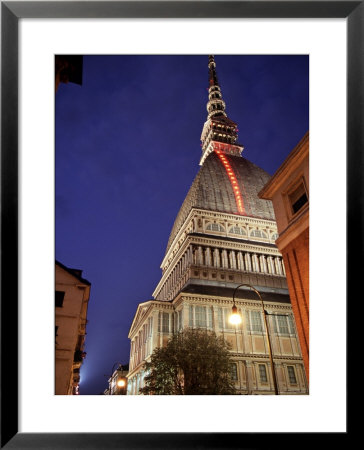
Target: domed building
<point>224,236</point>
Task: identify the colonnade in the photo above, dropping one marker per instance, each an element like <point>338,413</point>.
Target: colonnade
<point>219,258</point>
<point>238,260</point>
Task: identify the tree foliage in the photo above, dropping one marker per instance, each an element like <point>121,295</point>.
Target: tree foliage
<point>194,362</point>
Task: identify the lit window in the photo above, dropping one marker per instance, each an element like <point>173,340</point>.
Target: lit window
<point>263,373</point>
<point>200,317</point>
<point>256,321</point>
<point>220,318</point>
<point>223,318</point>
<point>190,323</point>
<point>180,320</point>
<point>283,324</point>
<point>233,371</point>
<point>291,375</point>
<point>165,328</point>
<point>163,322</point>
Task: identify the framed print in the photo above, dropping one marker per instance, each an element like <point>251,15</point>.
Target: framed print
<point>132,28</point>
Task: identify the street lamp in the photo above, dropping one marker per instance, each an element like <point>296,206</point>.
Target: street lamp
<point>121,381</point>
<point>236,318</point>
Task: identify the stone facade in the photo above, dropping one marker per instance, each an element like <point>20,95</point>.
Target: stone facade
<point>71,302</point>
<point>155,322</point>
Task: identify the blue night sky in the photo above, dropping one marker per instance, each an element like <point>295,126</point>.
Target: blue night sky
<point>127,151</point>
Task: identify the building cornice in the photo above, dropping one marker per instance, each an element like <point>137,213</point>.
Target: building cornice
<point>227,301</point>
<point>294,229</point>
<point>143,311</point>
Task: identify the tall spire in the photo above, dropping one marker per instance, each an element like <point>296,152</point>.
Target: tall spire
<point>219,132</point>
<point>215,105</point>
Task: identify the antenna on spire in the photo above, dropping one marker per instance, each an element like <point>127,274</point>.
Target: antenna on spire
<point>219,132</point>
<point>212,72</point>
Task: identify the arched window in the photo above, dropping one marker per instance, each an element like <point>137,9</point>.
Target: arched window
<point>274,236</point>
<point>258,233</point>
<point>215,227</point>
<point>237,230</point>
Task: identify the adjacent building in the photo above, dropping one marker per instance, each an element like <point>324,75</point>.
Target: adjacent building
<point>71,301</point>
<point>118,382</point>
<point>68,69</point>
<point>224,235</point>
<point>289,191</point>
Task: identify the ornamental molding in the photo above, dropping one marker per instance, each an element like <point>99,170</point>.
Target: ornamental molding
<point>197,213</point>
<point>143,312</point>
<point>252,304</point>
<point>252,248</point>
<point>235,217</point>
<point>255,357</point>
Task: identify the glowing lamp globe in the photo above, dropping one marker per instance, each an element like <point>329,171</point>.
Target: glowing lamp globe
<point>235,317</point>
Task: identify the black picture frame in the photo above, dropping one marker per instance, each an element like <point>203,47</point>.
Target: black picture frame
<point>11,12</point>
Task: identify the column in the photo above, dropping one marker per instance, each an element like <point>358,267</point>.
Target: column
<point>255,263</point>
<point>200,256</point>
<point>194,255</point>
<point>283,268</point>
<point>278,266</point>
<point>263,263</point>
<point>224,259</point>
<point>188,253</point>
<point>208,256</point>
<point>232,259</point>
<point>240,259</point>
<point>248,262</point>
<point>249,376</point>
<point>216,257</point>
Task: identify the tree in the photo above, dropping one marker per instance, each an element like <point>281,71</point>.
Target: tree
<point>194,362</point>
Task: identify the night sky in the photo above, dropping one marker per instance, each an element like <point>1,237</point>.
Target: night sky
<point>127,151</point>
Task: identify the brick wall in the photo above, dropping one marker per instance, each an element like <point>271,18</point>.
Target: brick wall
<point>296,260</point>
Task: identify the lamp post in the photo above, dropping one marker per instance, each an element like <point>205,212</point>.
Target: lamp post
<point>236,318</point>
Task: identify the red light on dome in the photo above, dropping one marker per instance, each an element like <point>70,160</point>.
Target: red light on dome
<point>233,181</point>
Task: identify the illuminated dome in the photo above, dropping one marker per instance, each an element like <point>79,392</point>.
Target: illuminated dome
<point>227,184</point>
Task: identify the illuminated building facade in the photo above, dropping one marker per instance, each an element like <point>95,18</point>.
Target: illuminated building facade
<point>289,191</point>
<point>224,235</point>
<point>71,302</point>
